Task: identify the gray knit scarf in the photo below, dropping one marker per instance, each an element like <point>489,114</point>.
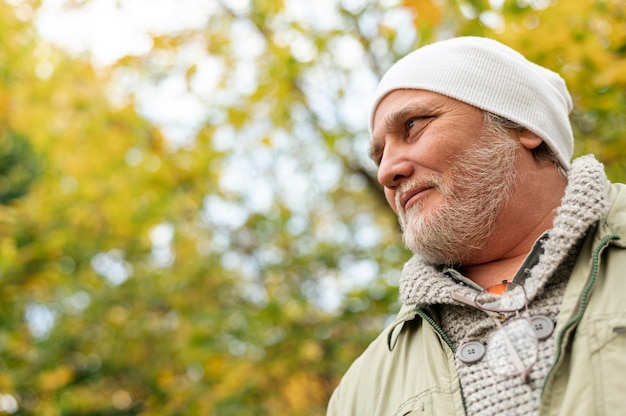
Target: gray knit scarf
<point>422,284</point>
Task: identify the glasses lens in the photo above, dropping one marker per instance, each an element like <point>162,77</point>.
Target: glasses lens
<point>505,297</point>
<point>512,349</point>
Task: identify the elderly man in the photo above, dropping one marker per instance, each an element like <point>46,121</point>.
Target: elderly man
<point>513,303</point>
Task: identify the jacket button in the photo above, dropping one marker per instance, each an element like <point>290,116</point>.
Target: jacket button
<point>543,326</point>
<point>470,352</point>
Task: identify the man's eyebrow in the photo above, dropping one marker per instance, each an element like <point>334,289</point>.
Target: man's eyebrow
<point>400,115</point>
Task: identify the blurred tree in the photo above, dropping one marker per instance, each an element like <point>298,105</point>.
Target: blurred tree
<point>238,267</point>
<point>19,167</point>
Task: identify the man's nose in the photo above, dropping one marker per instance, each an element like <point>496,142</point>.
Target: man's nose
<point>395,166</point>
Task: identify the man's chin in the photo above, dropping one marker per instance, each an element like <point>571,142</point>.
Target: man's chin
<point>435,247</point>
<point>436,257</point>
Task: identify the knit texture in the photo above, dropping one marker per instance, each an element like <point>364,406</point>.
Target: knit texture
<point>421,284</point>
<point>493,77</point>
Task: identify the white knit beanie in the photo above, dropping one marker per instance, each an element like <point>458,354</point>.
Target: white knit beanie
<point>493,77</point>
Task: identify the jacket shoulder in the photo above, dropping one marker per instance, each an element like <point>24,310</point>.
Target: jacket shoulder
<point>407,367</point>
<point>359,391</point>
<point>615,220</point>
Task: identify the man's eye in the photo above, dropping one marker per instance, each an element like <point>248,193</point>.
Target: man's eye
<point>412,122</point>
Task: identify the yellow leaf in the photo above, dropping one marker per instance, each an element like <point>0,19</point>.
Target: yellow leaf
<point>311,351</point>
<point>613,74</point>
<point>425,11</point>
<point>55,379</point>
<point>303,390</point>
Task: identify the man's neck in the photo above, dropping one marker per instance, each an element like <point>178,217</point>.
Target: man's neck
<point>508,248</point>
<point>507,258</point>
<point>492,273</point>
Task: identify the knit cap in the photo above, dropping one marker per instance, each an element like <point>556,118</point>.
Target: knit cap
<point>493,77</point>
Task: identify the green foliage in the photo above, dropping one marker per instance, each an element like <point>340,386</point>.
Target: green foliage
<point>19,167</point>
<point>240,272</point>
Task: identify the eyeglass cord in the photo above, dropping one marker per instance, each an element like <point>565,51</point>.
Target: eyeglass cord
<point>497,318</point>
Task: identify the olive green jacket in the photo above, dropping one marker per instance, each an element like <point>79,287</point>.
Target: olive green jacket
<point>410,368</point>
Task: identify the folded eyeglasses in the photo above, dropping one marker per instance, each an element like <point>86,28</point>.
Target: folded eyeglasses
<point>513,348</point>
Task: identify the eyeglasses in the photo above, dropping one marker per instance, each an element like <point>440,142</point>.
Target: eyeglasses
<point>513,348</point>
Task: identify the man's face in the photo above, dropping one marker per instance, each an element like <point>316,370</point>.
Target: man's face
<point>444,175</point>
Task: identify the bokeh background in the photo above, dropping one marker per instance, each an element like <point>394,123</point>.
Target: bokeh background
<point>189,224</point>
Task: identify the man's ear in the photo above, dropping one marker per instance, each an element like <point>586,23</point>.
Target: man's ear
<point>528,139</point>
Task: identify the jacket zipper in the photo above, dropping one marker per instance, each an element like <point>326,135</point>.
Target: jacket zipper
<point>584,298</point>
<point>422,313</point>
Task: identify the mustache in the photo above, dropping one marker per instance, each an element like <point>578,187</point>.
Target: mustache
<point>425,182</point>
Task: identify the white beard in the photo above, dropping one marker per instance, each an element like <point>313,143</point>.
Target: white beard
<point>480,185</point>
